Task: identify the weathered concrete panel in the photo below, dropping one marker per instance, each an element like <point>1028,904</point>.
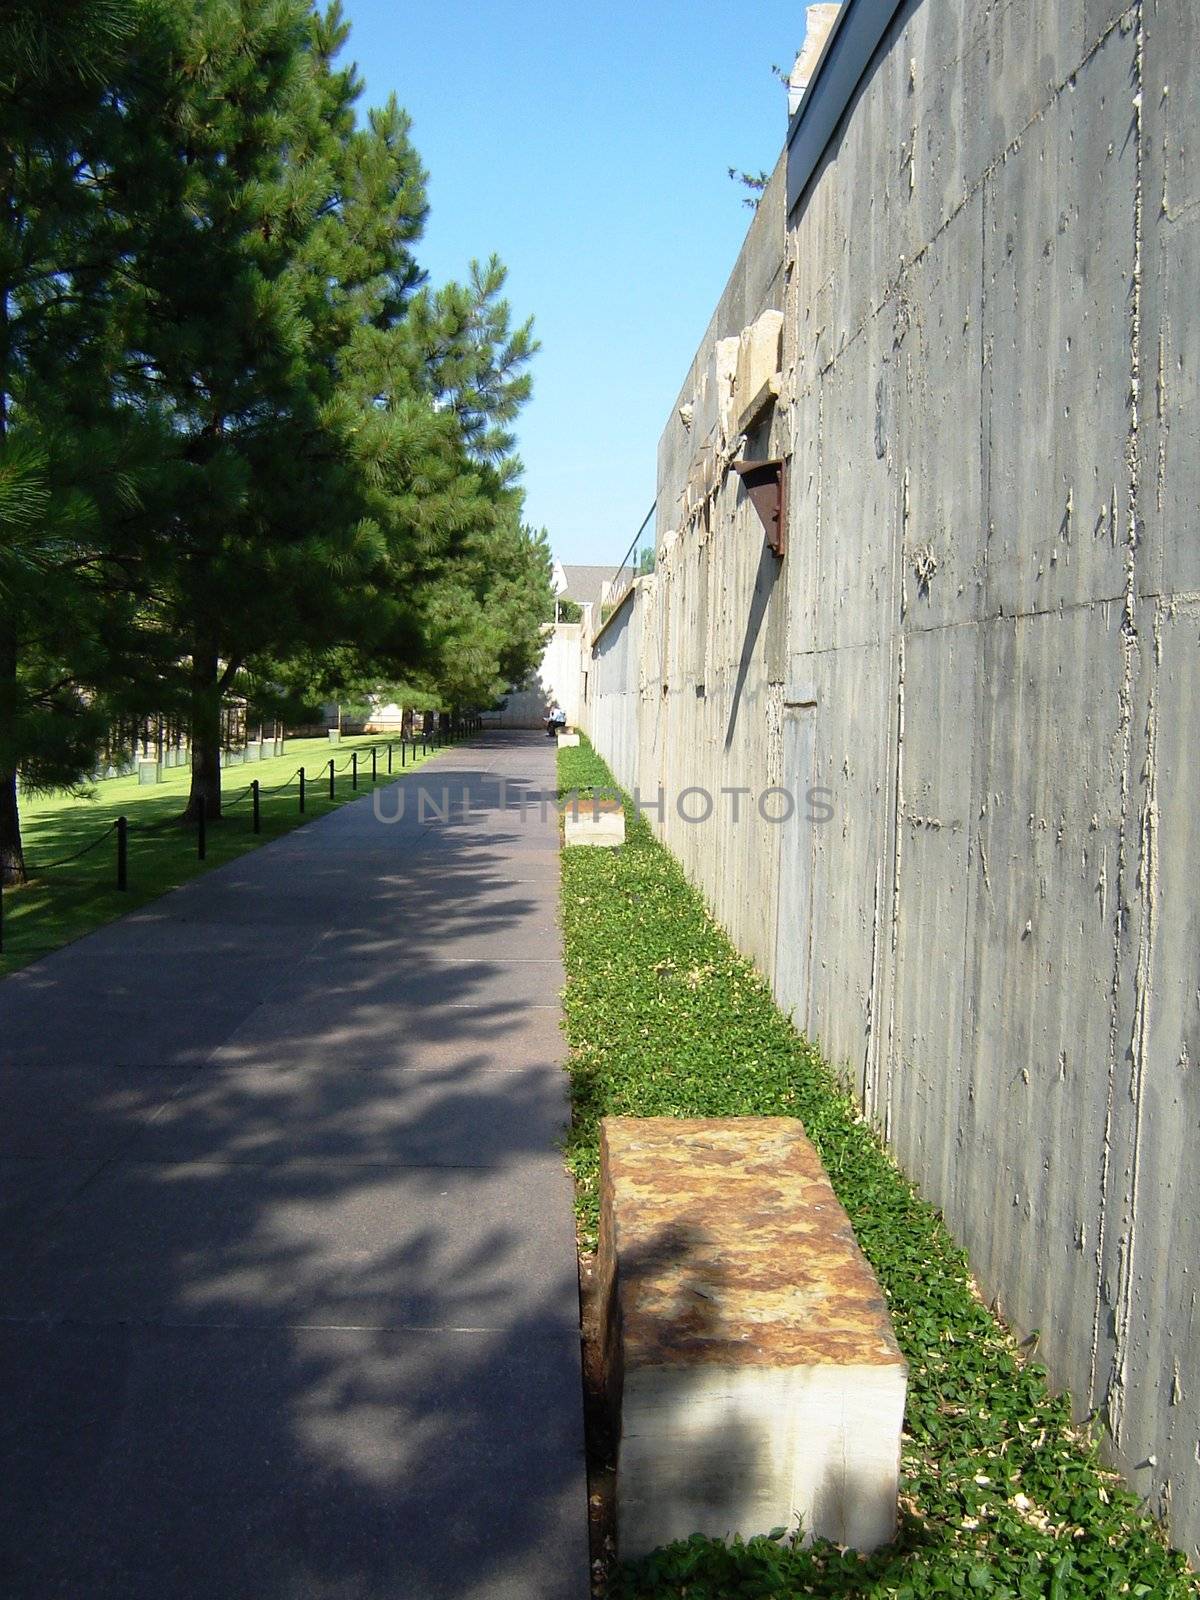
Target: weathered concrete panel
<point>937,392</point>
<point>611,690</point>
<point>1057,343</point>
<point>1169,436</point>
<point>852,875</point>
<point>857,594</point>
<point>1155,1397</point>
<point>1039,984</point>
<point>926,1086</point>
<point>796,913</point>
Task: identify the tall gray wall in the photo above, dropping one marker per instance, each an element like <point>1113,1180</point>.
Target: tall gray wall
<point>557,679</point>
<point>613,685</point>
<point>985,640</point>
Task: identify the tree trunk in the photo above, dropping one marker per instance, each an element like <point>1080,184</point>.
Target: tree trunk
<point>206,738</point>
<point>12,857</point>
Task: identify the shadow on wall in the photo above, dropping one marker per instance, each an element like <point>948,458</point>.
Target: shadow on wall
<point>257,1338</point>
<point>526,707</point>
<point>765,579</point>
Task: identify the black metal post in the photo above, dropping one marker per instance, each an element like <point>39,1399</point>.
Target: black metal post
<point>354,769</point>
<point>254,803</point>
<point>122,853</point>
<point>1,915</point>
<point>389,758</point>
<point>374,753</point>
<point>302,788</point>
<point>331,780</point>
<point>403,754</point>
<point>202,831</point>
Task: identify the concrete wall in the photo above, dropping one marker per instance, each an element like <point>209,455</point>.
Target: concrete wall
<point>557,678</point>
<point>985,640</point>
<point>613,686</point>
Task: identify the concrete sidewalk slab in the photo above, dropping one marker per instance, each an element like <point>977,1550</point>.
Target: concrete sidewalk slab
<point>199,1463</point>
<point>423,977</point>
<point>83,1111</point>
<point>460,1117</point>
<point>178,1031</point>
<point>288,1298</point>
<point>305,1242</point>
<point>34,1188</point>
<point>326,1032</point>
<point>457,938</point>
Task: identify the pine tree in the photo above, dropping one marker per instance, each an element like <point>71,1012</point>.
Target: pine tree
<point>243,445</point>
<point>66,457</point>
<point>426,384</point>
<point>231,136</point>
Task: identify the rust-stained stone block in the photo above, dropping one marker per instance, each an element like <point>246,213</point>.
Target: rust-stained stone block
<point>758,378</point>
<point>595,822</point>
<point>749,1353</point>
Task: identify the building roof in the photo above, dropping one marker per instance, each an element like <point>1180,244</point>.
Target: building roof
<point>589,585</point>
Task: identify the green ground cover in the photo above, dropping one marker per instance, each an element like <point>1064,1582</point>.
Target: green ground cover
<point>1000,1495</point>
<point>61,902</point>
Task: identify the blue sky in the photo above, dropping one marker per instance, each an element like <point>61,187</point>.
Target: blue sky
<point>587,145</point>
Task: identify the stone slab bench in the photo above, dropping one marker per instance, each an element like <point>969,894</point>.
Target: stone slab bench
<point>597,822</point>
<point>567,741</point>
<point>750,1364</point>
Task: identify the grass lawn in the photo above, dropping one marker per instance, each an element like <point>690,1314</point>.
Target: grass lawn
<point>1000,1495</point>
<point>61,902</point>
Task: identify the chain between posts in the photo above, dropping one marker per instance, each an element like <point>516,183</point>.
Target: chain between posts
<point>65,861</point>
<point>254,789</point>
<point>116,827</point>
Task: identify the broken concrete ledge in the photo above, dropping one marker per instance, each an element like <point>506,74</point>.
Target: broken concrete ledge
<point>750,1364</point>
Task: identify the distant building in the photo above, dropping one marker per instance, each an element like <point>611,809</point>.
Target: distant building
<point>591,587</point>
<point>557,679</point>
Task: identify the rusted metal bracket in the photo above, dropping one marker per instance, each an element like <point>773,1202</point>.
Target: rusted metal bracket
<point>765,483</point>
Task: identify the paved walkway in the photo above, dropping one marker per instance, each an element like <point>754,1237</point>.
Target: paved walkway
<point>287,1274</point>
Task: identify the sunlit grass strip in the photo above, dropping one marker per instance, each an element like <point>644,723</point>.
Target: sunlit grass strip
<point>1001,1496</point>
<point>64,902</point>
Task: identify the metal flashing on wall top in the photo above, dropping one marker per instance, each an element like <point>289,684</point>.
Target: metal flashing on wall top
<point>852,41</point>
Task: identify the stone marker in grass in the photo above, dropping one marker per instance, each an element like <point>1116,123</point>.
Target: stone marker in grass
<point>750,1361</point>
<point>567,741</point>
<point>594,821</point>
